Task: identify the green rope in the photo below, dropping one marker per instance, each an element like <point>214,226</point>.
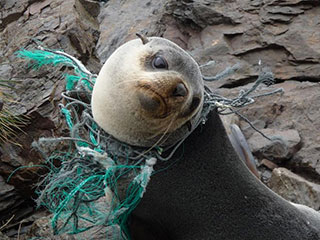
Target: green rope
<point>67,115</point>
<point>71,81</point>
<point>71,191</point>
<point>22,167</point>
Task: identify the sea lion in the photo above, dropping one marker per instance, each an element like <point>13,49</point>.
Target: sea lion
<point>206,192</point>
<point>149,92</point>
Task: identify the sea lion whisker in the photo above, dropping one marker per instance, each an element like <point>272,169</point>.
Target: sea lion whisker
<point>168,132</point>
<point>124,82</point>
<point>165,128</point>
<point>160,139</point>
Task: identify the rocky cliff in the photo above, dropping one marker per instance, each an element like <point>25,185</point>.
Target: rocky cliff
<point>281,35</point>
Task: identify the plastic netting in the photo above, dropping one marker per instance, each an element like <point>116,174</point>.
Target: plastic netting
<point>97,180</point>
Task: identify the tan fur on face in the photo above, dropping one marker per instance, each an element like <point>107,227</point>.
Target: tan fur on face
<point>123,82</point>
<point>161,86</point>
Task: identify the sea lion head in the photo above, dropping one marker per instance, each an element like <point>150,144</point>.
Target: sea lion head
<point>148,92</point>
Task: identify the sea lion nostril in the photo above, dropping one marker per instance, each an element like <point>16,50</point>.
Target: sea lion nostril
<point>180,90</point>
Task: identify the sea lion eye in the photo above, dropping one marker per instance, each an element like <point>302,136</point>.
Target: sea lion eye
<point>159,62</point>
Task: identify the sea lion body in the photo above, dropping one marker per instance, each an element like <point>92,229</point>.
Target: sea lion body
<point>148,93</point>
<point>141,105</point>
<point>207,192</point>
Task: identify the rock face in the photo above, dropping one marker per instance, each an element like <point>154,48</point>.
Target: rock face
<point>292,118</point>
<point>277,150</point>
<point>283,35</point>
<point>295,188</point>
<point>269,31</point>
<point>13,208</point>
<point>58,25</point>
<point>295,117</point>
<point>120,20</point>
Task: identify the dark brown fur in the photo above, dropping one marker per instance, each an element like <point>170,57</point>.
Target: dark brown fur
<point>206,192</point>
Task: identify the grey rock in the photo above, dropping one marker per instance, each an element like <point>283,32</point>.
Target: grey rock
<point>56,24</point>
<point>298,110</point>
<point>308,159</point>
<point>295,188</point>
<point>266,17</point>
<point>248,130</point>
<point>272,14</point>
<point>265,175</point>
<point>13,207</point>
<point>289,48</point>
<point>270,165</point>
<point>253,6</point>
<point>37,7</point>
<point>291,2</point>
<point>59,25</point>
<point>42,228</point>
<point>305,52</point>
<point>284,10</point>
<point>6,191</point>
<point>116,20</point>
<point>5,71</point>
<point>11,11</point>
<point>287,143</point>
<point>200,14</point>
<point>92,7</point>
<point>3,237</point>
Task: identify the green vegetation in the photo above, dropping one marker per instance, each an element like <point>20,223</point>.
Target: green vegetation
<point>10,124</point>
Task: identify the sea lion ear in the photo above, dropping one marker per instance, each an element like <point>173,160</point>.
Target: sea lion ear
<point>143,38</point>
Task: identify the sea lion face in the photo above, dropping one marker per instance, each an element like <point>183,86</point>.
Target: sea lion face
<point>147,92</point>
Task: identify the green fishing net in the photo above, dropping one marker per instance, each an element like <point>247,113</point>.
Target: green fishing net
<point>93,164</point>
<point>95,180</point>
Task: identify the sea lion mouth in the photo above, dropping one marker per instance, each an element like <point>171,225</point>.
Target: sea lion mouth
<point>191,108</point>
<point>161,101</point>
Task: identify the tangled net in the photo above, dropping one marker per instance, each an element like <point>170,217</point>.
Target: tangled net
<point>98,181</point>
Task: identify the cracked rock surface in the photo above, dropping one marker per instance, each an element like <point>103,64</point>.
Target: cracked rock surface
<point>283,35</point>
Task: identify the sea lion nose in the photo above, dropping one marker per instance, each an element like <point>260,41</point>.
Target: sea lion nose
<point>180,90</point>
